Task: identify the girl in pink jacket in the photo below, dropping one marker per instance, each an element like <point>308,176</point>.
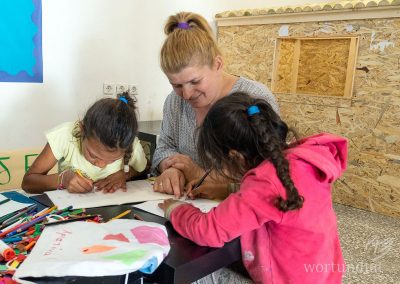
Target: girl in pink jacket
<point>283,211</point>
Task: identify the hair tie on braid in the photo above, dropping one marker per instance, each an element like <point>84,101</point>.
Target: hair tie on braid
<point>123,99</point>
<point>252,110</point>
<point>126,168</point>
<point>183,26</point>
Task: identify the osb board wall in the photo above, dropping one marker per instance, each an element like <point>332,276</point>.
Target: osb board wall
<point>370,119</point>
<point>330,76</point>
<point>284,68</point>
<point>322,66</point>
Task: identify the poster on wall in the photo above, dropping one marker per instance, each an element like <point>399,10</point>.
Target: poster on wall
<point>21,41</point>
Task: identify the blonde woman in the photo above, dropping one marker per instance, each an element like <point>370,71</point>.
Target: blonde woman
<point>193,64</point>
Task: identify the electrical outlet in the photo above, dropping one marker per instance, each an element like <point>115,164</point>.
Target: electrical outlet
<point>122,88</point>
<point>108,88</point>
<point>133,90</point>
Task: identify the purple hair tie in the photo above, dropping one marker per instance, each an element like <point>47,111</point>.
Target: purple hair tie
<point>184,26</point>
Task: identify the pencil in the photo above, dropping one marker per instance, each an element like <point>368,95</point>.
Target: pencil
<point>27,225</point>
<point>4,201</point>
<point>63,210</point>
<point>17,215</point>
<point>45,212</point>
<point>14,225</point>
<point>200,182</point>
<point>79,173</point>
<point>137,217</point>
<point>122,214</point>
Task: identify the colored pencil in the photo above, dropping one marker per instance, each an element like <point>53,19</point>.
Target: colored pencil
<point>79,173</point>
<point>71,220</point>
<point>63,210</point>
<point>137,217</point>
<point>4,201</point>
<point>200,182</point>
<point>26,225</point>
<point>121,215</point>
<point>18,214</point>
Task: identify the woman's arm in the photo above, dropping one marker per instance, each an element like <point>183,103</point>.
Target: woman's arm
<point>167,140</point>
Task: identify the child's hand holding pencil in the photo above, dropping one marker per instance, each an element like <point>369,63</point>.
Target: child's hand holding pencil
<point>207,189</point>
<point>76,182</point>
<point>193,186</point>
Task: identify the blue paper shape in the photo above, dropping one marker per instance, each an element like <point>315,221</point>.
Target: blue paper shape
<point>21,41</point>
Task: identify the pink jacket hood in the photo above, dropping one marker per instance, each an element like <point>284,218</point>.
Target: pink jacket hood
<point>326,152</point>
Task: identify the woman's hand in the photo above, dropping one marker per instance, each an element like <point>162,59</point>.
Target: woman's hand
<point>75,183</point>
<point>208,190</point>
<point>112,183</point>
<point>185,164</point>
<point>171,181</point>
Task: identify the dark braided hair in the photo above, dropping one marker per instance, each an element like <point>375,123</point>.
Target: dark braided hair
<point>257,137</point>
<point>113,122</point>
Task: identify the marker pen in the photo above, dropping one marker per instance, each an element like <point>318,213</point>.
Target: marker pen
<point>7,252</point>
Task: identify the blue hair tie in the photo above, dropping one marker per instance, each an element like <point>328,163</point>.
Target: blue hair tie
<point>123,99</point>
<point>252,110</point>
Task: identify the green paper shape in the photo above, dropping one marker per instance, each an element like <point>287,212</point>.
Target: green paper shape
<point>128,257</point>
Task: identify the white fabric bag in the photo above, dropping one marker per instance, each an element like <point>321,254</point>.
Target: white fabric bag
<point>96,249</point>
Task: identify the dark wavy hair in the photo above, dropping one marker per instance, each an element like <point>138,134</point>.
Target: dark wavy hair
<point>258,137</point>
<point>113,122</point>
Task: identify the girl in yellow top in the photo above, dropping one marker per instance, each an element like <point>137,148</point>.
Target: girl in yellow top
<point>101,151</point>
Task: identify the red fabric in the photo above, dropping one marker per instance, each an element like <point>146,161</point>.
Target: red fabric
<point>300,246</point>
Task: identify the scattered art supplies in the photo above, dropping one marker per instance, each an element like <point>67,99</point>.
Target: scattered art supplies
<point>137,191</point>
<point>9,206</point>
<point>93,249</point>
<point>21,230</point>
<point>204,205</point>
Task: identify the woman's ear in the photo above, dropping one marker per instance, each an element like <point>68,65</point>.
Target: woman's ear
<point>218,63</point>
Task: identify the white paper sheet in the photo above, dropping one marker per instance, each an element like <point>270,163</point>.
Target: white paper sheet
<point>137,191</point>
<point>10,206</point>
<point>204,205</point>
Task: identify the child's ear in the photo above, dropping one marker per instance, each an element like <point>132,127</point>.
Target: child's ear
<point>233,154</point>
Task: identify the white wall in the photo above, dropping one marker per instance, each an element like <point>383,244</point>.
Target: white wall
<point>87,43</point>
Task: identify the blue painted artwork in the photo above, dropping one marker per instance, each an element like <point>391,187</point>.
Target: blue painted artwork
<point>21,41</point>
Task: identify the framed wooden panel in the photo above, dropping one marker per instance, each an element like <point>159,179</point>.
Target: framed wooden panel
<point>318,66</point>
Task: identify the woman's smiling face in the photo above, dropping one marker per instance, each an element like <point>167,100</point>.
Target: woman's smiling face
<point>198,85</point>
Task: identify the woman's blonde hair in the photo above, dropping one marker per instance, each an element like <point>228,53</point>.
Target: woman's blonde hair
<point>189,41</point>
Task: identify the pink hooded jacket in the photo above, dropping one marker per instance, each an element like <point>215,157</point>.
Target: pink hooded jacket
<point>299,246</point>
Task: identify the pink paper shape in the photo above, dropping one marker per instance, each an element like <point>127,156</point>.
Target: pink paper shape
<point>118,237</point>
<point>147,234</point>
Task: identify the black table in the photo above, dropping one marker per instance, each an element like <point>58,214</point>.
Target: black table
<point>185,263</point>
